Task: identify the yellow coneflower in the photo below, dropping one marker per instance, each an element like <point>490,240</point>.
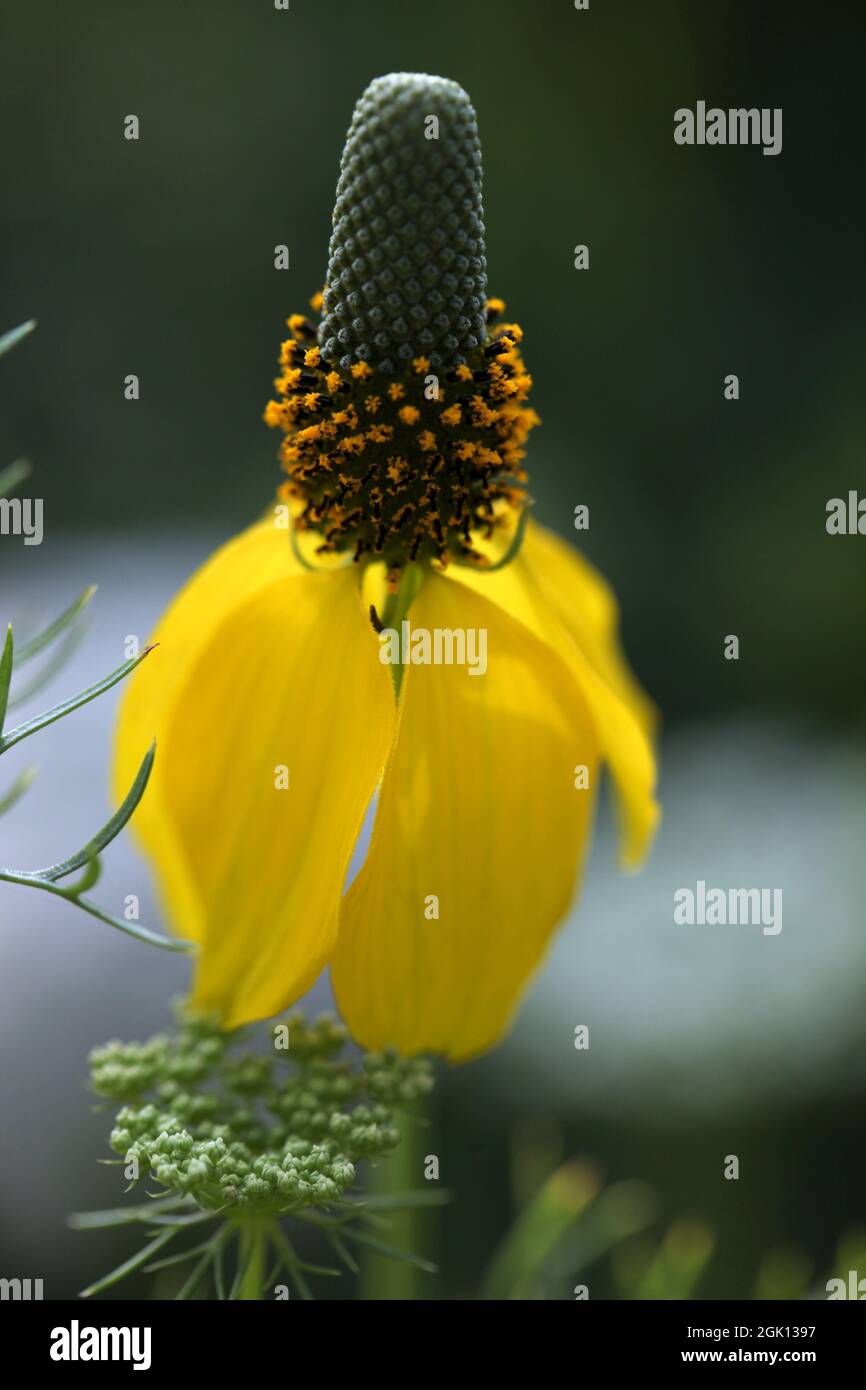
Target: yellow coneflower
<point>402,522</point>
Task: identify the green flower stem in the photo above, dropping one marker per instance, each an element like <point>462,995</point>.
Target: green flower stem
<point>253,1247</point>
<point>382,1278</point>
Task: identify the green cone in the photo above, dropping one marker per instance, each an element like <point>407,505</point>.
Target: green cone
<point>407,271</point>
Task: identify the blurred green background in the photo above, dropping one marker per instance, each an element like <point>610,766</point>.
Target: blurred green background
<point>156,258</point>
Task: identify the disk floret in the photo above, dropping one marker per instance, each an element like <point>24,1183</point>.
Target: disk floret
<point>410,468</point>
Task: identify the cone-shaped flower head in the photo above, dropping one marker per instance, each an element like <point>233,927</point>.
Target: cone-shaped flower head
<point>404,411</point>
<point>407,275</point>
<point>402,402</point>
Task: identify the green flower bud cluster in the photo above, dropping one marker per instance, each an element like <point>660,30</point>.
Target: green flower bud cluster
<point>267,1133</point>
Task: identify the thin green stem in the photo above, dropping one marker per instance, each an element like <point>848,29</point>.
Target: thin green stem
<point>153,938</point>
<point>253,1247</point>
<point>383,1277</point>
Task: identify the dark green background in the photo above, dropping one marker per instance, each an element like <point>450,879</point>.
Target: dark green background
<point>156,258</point>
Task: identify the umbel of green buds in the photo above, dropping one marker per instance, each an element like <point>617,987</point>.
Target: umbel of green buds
<point>407,275</point>
<point>241,1143</point>
<point>267,1133</point>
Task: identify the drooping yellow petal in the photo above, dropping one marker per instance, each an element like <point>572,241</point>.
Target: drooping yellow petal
<point>479,835</point>
<point>273,748</point>
<point>558,596</point>
<point>246,564</point>
<point>586,605</point>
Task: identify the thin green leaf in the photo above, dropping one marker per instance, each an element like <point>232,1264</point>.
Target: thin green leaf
<point>124,1216</point>
<point>179,1258</point>
<point>181,1222</point>
<point>134,1262</point>
<point>291,1263</point>
<point>152,938</point>
<point>14,336</point>
<point>42,721</point>
<point>235,1290</point>
<point>553,1211</point>
<point>399,1201</point>
<point>43,639</point>
<point>194,1279</point>
<point>12,475</point>
<point>376,1220</point>
<point>344,1252</point>
<point>57,660</point>
<point>17,790</point>
<point>210,1252</point>
<point>391,1251</point>
<point>218,1273</point>
<point>327,1223</point>
<point>88,879</point>
<point>282,1243</point>
<point>5,675</point>
<point>679,1263</point>
<point>110,830</point>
